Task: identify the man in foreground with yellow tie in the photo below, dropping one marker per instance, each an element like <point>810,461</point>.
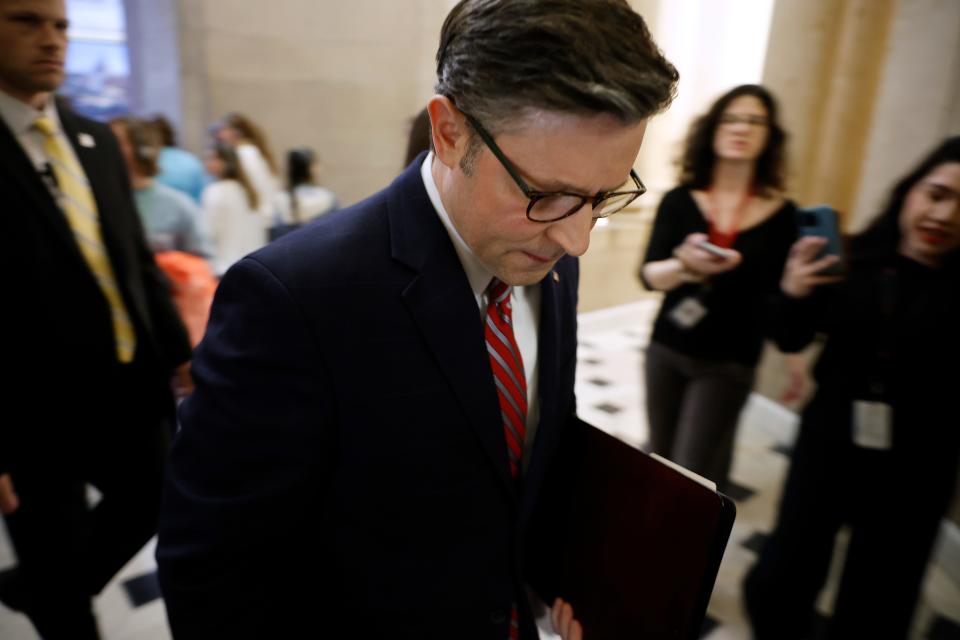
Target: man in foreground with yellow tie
<point>94,339</point>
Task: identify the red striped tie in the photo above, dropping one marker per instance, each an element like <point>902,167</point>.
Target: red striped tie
<point>507,365</point>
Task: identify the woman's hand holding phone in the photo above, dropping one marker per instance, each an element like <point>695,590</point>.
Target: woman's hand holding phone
<point>803,271</point>
<point>699,256</point>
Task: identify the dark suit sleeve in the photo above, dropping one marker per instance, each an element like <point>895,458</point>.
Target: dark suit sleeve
<point>246,471</point>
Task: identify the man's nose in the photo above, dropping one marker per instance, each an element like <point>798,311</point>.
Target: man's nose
<point>573,232</point>
<point>53,37</point>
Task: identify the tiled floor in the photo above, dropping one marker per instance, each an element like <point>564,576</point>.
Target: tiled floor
<point>610,396</point>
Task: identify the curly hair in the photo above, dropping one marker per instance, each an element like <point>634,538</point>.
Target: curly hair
<point>696,164</point>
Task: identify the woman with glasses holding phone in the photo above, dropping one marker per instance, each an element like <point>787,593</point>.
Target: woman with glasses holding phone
<point>717,249</point>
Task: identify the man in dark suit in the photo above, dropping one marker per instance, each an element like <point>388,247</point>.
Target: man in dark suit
<point>92,341</point>
<point>379,395</point>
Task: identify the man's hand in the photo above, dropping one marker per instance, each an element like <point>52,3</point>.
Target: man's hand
<point>561,616</point>
<point>700,261</point>
<point>9,502</point>
<point>802,273</point>
<point>182,381</point>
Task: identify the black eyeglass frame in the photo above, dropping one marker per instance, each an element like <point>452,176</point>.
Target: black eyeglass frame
<point>536,196</point>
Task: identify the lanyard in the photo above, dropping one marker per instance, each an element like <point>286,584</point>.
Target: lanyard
<point>726,238</point>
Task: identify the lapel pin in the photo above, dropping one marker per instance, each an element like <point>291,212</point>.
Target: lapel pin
<point>556,276</point>
<point>86,140</point>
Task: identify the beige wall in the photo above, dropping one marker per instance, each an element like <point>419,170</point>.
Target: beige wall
<point>341,77</point>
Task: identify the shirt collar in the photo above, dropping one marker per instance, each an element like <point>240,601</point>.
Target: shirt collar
<point>477,274</point>
<point>20,116</point>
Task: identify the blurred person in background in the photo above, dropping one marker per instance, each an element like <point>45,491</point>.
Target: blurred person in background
<point>381,394</point>
<point>93,339</point>
<point>230,209</point>
<point>178,168</point>
<point>257,160</point>
<point>170,218</point>
<point>304,198</point>
<point>708,334</point>
<point>878,444</point>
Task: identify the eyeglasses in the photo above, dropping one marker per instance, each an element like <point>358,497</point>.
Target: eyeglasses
<point>550,206</point>
<point>755,121</point>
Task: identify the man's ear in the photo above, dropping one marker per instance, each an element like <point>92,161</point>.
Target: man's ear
<point>449,130</point>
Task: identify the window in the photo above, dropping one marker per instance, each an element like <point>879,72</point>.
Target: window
<point>98,63</point>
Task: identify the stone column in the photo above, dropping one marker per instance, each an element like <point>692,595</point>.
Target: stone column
<point>848,105</point>
<point>917,104</point>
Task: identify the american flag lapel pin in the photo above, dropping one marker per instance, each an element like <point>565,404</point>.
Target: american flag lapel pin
<point>86,140</point>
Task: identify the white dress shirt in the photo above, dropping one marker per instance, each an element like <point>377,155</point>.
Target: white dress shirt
<point>19,117</point>
<point>525,306</point>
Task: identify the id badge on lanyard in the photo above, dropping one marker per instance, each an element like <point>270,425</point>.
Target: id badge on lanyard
<point>873,418</point>
<point>872,425</point>
<point>688,313</point>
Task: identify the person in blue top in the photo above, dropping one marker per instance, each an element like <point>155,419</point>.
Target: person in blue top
<point>178,168</point>
<point>170,218</point>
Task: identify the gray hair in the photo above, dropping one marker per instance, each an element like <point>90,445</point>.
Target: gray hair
<point>501,58</point>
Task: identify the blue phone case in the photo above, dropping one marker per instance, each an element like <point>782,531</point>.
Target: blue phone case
<point>821,221</point>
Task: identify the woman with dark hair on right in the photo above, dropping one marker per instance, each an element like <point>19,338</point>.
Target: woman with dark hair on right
<point>707,337</point>
<point>878,446</point>
<point>230,207</point>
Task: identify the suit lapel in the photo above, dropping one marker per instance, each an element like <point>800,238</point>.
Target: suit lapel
<point>91,158</point>
<point>549,349</point>
<point>441,302</point>
<point>38,201</point>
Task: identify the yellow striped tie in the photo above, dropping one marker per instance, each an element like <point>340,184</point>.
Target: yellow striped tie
<point>80,209</point>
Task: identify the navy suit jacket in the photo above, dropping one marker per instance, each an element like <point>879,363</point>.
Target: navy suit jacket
<point>342,465</point>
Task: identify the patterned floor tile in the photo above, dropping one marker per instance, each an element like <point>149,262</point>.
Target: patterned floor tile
<point>737,491</point>
<point>599,382</point>
<point>608,408</point>
<point>755,541</point>
<point>143,589</point>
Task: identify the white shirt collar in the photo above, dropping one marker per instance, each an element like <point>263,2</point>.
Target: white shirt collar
<point>20,116</point>
<point>477,274</point>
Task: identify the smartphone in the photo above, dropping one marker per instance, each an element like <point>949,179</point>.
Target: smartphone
<point>821,221</point>
<point>720,252</point>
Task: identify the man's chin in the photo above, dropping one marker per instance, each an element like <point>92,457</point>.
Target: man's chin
<point>525,278</point>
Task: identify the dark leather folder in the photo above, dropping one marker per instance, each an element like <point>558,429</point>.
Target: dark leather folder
<point>631,543</point>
